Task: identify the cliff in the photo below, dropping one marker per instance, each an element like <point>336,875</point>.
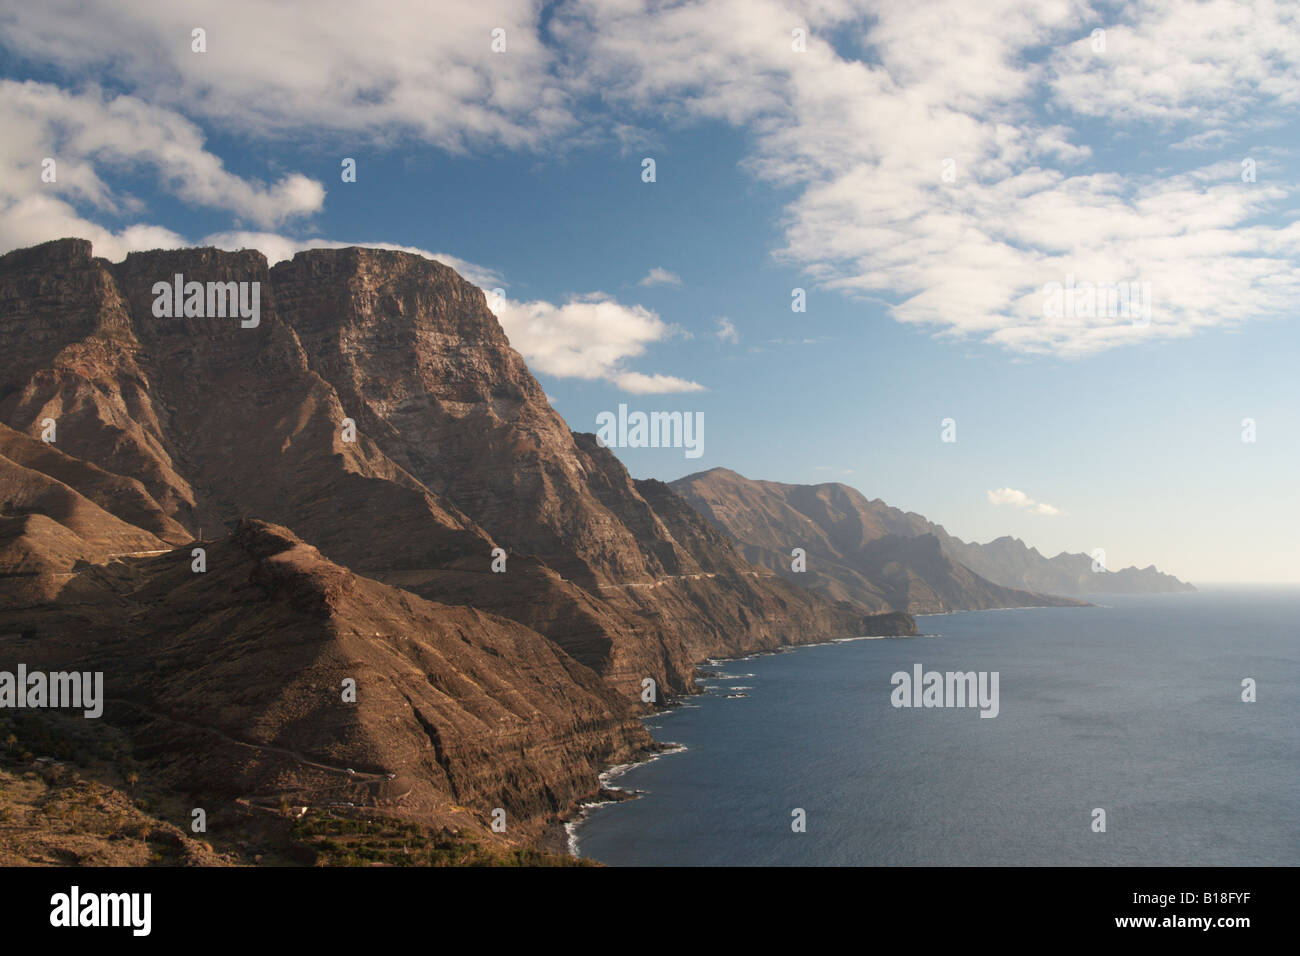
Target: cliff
<point>349,461</point>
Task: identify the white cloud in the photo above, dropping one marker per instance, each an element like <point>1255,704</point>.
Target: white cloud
<point>1018,499</point>
<point>410,69</point>
<point>1215,61</point>
<point>727,331</point>
<point>589,337</point>
<point>641,384</point>
<point>90,132</point>
<point>658,276</point>
<point>1209,139</point>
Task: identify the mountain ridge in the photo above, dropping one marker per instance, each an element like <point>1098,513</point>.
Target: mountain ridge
<point>860,543</point>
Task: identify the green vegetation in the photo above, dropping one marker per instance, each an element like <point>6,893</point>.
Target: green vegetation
<point>26,735</point>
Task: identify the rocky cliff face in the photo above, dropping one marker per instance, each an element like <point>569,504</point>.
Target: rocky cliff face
<point>880,557</point>
<point>349,462</point>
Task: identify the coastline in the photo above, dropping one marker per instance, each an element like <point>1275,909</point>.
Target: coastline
<point>1047,607</point>
<point>560,836</point>
<point>1027,607</point>
<point>659,831</point>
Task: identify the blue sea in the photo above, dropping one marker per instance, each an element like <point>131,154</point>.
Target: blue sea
<point>1133,707</point>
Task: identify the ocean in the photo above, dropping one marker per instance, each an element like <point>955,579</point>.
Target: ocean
<point>1133,708</point>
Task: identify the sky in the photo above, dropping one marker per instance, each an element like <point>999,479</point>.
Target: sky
<point>929,175</point>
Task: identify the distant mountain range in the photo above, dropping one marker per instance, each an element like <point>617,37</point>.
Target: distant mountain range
<point>880,557</point>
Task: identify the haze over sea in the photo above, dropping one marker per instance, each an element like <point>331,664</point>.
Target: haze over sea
<point>1134,707</point>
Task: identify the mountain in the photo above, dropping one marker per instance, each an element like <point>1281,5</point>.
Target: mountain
<point>1010,559</point>
<point>349,459</point>
<point>880,557</point>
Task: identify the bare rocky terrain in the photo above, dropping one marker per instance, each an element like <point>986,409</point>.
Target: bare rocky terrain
<point>347,467</point>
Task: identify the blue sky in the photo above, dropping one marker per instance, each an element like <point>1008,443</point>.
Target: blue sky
<point>776,168</point>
